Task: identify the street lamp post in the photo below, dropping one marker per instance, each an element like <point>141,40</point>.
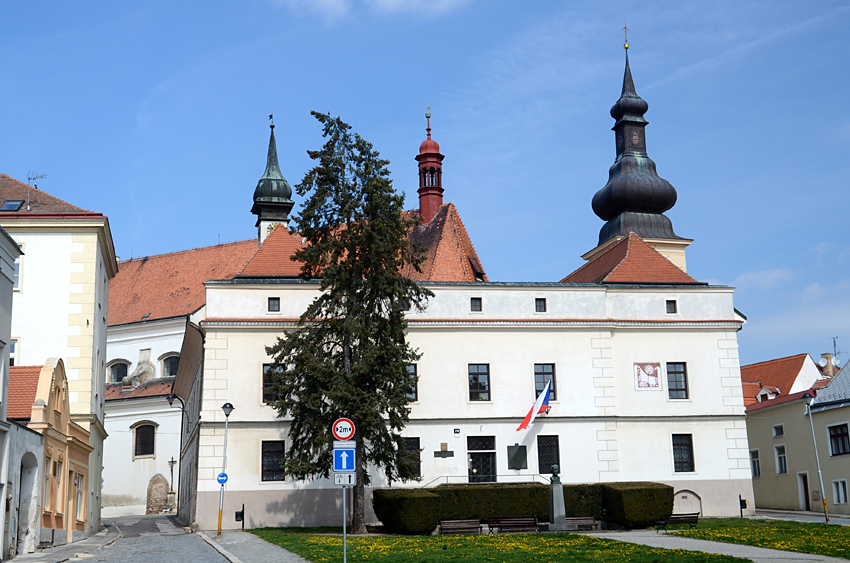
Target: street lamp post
<point>170,398</point>
<point>227,408</point>
<point>817,458</point>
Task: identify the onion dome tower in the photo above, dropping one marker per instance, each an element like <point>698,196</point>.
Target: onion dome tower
<point>272,197</point>
<point>430,175</point>
<point>635,197</point>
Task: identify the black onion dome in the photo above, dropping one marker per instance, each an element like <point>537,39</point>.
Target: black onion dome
<point>629,102</point>
<point>273,187</point>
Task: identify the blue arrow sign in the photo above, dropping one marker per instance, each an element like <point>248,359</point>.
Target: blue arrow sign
<point>222,478</point>
<point>344,460</point>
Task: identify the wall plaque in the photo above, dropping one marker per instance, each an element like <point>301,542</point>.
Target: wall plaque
<point>648,377</point>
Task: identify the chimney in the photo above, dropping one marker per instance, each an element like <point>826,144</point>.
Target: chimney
<point>829,368</point>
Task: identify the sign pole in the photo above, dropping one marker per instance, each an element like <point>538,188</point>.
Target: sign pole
<point>344,538</point>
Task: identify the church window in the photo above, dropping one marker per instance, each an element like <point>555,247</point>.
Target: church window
<point>144,436</point>
<point>755,464</point>
<point>475,304</point>
<point>683,453</point>
<point>273,461</point>
<point>781,461</point>
<point>543,373</point>
<point>479,382</point>
<point>169,366</point>
<point>548,454</point>
<point>412,458</point>
<point>671,306</point>
<point>269,396</point>
<point>274,304</point>
<point>411,371</point>
<point>118,371</point>
<point>839,440</point>
<point>540,305</point>
<point>677,381</point>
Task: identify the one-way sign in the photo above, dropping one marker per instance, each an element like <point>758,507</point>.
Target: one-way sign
<point>344,460</point>
<point>345,479</point>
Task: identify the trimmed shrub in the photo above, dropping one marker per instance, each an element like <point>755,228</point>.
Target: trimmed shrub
<point>581,500</point>
<point>637,505</point>
<point>407,511</point>
<point>460,502</point>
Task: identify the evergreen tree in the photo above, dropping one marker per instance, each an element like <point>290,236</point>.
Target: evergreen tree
<point>348,357</point>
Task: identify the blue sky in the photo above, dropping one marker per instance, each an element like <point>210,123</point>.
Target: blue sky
<point>155,113</point>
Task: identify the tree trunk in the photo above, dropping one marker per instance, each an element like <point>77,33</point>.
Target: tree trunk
<point>358,525</point>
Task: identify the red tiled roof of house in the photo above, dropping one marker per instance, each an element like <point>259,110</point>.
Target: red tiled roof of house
<point>821,383</point>
<point>39,201</point>
<point>630,260</point>
<point>159,387</point>
<point>780,373</point>
<point>272,259</point>
<point>170,285</point>
<point>750,392</point>
<point>449,254</point>
<point>23,384</point>
<point>779,400</point>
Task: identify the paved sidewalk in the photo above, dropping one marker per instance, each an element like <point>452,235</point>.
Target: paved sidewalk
<point>801,516</point>
<point>107,536</point>
<point>674,541</point>
<point>243,547</point>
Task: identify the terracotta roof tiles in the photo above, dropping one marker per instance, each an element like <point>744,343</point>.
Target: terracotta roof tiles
<point>40,201</point>
<point>273,258</point>
<point>23,384</point>
<point>449,254</point>
<point>780,373</point>
<point>630,260</point>
<point>159,387</point>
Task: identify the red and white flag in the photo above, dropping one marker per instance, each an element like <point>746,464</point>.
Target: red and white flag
<point>540,406</point>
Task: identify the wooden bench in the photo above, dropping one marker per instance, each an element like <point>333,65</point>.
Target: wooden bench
<point>459,526</point>
<point>690,518</point>
<point>583,522</point>
<point>499,524</point>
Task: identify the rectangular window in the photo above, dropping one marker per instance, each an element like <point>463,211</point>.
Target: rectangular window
<point>475,304</point>
<point>517,457</point>
<point>47,485</point>
<point>781,462</point>
<point>683,453</point>
<point>13,352</point>
<point>479,382</point>
<point>16,279</point>
<point>778,430</point>
<point>542,374</point>
<point>411,372</point>
<point>274,304</point>
<point>671,306</point>
<point>839,440</point>
<point>839,492</point>
<point>755,464</point>
<point>677,381</point>
<point>540,305</point>
<point>548,454</point>
<point>60,500</point>
<point>268,383</point>
<point>412,456</point>
<point>145,436</point>
<point>80,496</point>
<point>273,461</point>
<point>482,458</point>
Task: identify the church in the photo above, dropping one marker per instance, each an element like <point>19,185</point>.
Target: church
<point>640,358</point>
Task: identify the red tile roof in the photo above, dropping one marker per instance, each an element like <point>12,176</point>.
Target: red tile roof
<point>630,260</point>
<point>449,254</point>
<point>159,387</point>
<point>750,392</point>
<point>780,373</point>
<point>40,201</point>
<point>23,384</point>
<point>272,259</point>
<point>779,400</point>
<point>170,285</point>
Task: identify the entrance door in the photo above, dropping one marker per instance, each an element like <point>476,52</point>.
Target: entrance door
<point>803,480</point>
<point>482,458</point>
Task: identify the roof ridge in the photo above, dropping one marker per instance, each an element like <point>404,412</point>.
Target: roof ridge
<point>47,194</point>
<point>468,240</point>
<point>775,360</point>
<point>588,263</point>
<point>185,251</point>
<point>628,239</point>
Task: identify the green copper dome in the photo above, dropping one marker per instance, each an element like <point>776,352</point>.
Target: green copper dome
<point>273,191</point>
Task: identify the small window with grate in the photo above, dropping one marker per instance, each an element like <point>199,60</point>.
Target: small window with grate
<point>475,304</point>
<point>274,304</point>
<point>683,453</point>
<point>170,365</point>
<point>145,436</point>
<point>540,305</point>
<point>548,454</point>
<point>118,372</point>
<point>411,456</point>
<point>482,459</point>
<point>273,461</point>
<point>671,306</point>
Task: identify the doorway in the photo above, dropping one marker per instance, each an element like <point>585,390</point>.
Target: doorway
<point>24,540</point>
<point>803,485</point>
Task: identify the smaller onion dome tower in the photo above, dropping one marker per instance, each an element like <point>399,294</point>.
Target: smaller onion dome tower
<point>272,197</point>
<point>430,175</point>
<point>635,197</point>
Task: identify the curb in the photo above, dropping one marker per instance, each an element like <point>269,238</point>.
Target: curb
<point>226,554</point>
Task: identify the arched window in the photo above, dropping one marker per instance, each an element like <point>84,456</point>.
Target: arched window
<point>144,439</point>
<point>118,371</point>
<point>169,366</point>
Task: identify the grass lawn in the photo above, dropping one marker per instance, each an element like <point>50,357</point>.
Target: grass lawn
<point>803,537</point>
<point>507,548</point>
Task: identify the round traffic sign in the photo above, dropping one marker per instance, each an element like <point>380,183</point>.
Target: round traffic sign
<point>222,478</point>
<point>343,429</point>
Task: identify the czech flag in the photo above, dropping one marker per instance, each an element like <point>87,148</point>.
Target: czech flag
<point>540,406</point>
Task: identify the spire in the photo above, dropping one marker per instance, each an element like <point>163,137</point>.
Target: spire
<point>430,175</point>
<point>635,197</point>
<point>272,197</point>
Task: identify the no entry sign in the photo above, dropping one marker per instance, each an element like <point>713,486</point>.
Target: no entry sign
<point>343,429</point>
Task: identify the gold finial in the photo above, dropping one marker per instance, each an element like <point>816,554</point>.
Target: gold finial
<point>626,32</point>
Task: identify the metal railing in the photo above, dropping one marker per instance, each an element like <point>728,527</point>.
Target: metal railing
<point>498,479</point>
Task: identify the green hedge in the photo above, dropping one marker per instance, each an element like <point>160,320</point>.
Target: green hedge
<point>418,511</point>
<point>637,505</point>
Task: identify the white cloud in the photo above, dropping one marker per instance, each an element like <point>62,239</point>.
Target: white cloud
<point>764,279</point>
<point>427,8</point>
<point>821,248</point>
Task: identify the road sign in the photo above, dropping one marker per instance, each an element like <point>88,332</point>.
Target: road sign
<point>343,429</point>
<point>344,459</point>
<point>345,479</point>
<point>222,478</point>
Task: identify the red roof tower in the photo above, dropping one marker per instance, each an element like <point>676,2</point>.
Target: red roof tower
<point>430,176</point>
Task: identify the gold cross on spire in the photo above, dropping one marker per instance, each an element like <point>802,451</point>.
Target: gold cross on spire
<point>626,31</point>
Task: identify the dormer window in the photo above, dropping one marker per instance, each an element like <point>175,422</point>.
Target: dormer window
<point>12,205</point>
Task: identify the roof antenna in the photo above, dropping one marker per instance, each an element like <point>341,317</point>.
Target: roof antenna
<point>31,182</point>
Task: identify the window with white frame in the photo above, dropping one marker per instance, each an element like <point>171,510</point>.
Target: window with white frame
<point>16,277</point>
<point>413,396</point>
<point>683,453</point>
<point>118,371</point>
<point>781,461</point>
<point>144,439</point>
<point>13,352</point>
<point>839,491</point>
<point>544,373</point>
<point>839,439</point>
<point>170,365</point>
<point>755,463</point>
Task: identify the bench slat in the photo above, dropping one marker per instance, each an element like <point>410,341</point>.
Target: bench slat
<point>460,526</point>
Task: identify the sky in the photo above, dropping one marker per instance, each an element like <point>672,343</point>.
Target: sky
<point>156,114</point>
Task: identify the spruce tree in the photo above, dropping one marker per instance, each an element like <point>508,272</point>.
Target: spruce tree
<point>348,356</point>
